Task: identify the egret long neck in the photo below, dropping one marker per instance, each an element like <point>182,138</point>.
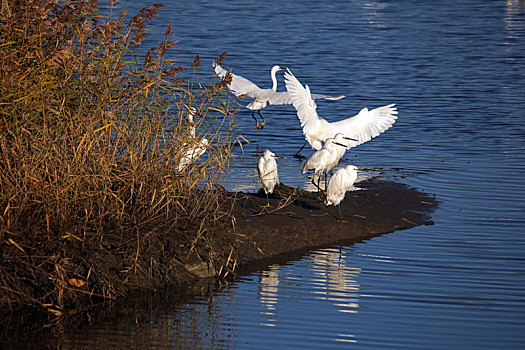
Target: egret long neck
<point>274,81</point>
<point>192,126</point>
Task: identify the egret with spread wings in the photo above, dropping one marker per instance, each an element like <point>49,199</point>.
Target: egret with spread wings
<point>241,87</point>
<point>362,127</point>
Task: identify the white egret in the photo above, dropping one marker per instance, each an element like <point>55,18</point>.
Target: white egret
<point>267,170</point>
<point>194,148</point>
<point>240,86</point>
<point>340,139</point>
<point>323,160</point>
<point>339,183</point>
<point>362,127</point>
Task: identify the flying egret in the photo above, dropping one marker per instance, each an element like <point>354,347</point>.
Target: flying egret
<point>240,86</point>
<point>267,170</point>
<point>193,148</point>
<point>339,183</point>
<point>364,126</point>
<point>323,160</point>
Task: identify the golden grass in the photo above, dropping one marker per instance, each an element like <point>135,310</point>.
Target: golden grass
<point>91,137</point>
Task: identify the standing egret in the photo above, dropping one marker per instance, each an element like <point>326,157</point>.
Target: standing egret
<point>339,183</point>
<point>267,170</point>
<point>363,127</point>
<point>340,139</point>
<point>194,148</point>
<point>323,161</point>
<point>240,86</point>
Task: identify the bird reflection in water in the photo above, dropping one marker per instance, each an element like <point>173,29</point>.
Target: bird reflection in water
<point>331,280</point>
<point>268,283</point>
<point>335,281</point>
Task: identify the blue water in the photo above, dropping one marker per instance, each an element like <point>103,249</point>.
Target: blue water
<point>456,71</point>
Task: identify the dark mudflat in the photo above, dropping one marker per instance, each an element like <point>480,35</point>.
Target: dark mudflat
<point>297,219</point>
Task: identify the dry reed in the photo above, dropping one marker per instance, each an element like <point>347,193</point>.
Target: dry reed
<point>91,138</point>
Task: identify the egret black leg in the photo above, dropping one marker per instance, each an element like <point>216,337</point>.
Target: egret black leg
<point>299,151</point>
<point>263,121</point>
<point>256,121</point>
<point>341,215</point>
<point>316,184</point>
<point>319,185</point>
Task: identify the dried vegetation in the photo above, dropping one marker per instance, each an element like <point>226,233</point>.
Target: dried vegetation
<point>91,137</point>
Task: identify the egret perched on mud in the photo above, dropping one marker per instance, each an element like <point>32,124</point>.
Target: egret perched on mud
<point>339,183</point>
<point>194,148</point>
<point>364,126</point>
<point>240,86</point>
<point>323,161</point>
<point>267,170</point>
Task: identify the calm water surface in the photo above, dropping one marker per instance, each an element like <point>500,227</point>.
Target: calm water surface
<point>455,69</point>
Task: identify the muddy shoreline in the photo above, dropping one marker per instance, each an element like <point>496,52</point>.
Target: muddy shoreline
<point>294,221</point>
<point>302,221</point>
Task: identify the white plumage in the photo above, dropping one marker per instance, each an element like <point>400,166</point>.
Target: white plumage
<point>241,87</point>
<point>339,139</point>
<point>339,183</point>
<point>267,170</point>
<point>362,127</point>
<point>323,160</point>
<point>194,148</point>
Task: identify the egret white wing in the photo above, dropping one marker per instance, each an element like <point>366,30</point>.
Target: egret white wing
<point>335,190</point>
<point>301,99</point>
<point>366,124</point>
<point>326,97</point>
<point>283,98</point>
<point>261,168</point>
<point>239,85</point>
<point>279,98</point>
